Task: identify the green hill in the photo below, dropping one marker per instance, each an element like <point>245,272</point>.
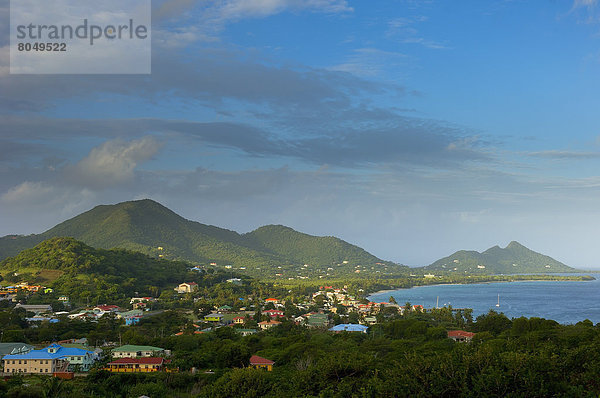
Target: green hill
<point>298,247</point>
<point>513,259</point>
<point>150,228</point>
<point>74,268</point>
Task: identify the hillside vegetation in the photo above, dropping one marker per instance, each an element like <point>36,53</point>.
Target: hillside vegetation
<point>84,272</point>
<point>513,259</point>
<point>150,228</point>
<point>298,247</point>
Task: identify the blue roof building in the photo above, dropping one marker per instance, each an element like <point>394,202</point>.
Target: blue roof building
<point>349,327</point>
<point>54,358</point>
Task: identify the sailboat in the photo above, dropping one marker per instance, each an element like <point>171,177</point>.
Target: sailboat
<point>498,305</point>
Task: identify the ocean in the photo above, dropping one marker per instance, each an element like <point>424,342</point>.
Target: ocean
<point>565,302</point>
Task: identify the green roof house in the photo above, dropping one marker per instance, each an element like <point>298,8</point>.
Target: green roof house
<point>138,351</point>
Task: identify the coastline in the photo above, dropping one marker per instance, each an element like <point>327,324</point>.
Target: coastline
<point>573,278</point>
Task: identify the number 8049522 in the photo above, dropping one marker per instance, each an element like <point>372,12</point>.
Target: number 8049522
<point>42,46</point>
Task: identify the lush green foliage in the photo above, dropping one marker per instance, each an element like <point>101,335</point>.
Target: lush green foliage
<point>145,226</point>
<point>302,248</point>
<point>94,275</point>
<point>405,356</point>
<point>514,259</point>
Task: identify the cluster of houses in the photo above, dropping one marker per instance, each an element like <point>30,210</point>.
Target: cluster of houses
<point>71,356</point>
<point>76,356</point>
<point>327,299</point>
<point>64,358</point>
<point>10,292</point>
<point>44,312</point>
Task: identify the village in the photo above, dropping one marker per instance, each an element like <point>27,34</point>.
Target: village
<point>329,309</point>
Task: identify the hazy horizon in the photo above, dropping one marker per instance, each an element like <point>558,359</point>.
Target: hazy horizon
<point>412,129</point>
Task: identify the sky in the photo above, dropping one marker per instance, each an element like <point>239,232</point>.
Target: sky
<point>409,128</point>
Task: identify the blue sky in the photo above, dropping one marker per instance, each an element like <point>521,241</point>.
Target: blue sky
<point>410,128</point>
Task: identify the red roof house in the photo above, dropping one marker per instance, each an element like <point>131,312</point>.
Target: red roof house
<point>460,335</point>
<point>268,324</point>
<point>107,308</point>
<point>273,313</point>
<point>261,363</point>
<point>134,365</point>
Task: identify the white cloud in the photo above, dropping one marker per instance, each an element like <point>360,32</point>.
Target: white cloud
<point>403,29</point>
<point>27,192</point>
<point>555,154</point>
<point>239,9</point>
<point>585,3</point>
<point>113,162</point>
<point>371,62</point>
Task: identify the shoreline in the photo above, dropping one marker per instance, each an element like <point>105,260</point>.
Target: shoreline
<point>475,283</point>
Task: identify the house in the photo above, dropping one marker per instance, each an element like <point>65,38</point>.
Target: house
<point>28,287</point>
<point>239,320</point>
<point>140,305</point>
<point>137,351</point>
<point>106,308</point>
<point>273,313</point>
<point>38,318</point>
<point>136,365</point>
<point>272,300</point>
<point>82,344</point>
<point>132,320</point>
<point>224,308</point>
<point>134,300</point>
<point>257,362</point>
<point>186,287</point>
<point>85,314</point>
<point>317,321</point>
<point>370,320</point>
<point>14,348</point>
<point>100,310</point>
<point>349,327</point>
<point>35,308</point>
<point>235,281</point>
<point>460,335</point>
<point>54,358</point>
<point>213,317</point>
<point>246,332</point>
<point>264,325</point>
<point>123,315</point>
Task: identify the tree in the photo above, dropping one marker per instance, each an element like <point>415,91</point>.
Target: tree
<point>492,322</point>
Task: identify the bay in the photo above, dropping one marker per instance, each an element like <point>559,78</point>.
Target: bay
<point>566,302</point>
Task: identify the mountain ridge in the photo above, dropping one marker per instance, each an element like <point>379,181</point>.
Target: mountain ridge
<point>514,258</point>
<point>149,227</point>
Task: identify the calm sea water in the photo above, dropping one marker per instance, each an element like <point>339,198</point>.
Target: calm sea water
<point>565,302</point>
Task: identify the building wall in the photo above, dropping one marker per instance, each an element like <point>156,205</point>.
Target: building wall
<point>133,368</point>
<point>40,366</point>
<point>84,363</point>
<point>134,354</point>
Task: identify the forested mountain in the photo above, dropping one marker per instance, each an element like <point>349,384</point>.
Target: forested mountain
<point>150,228</point>
<point>299,247</point>
<point>81,271</point>
<point>513,259</point>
